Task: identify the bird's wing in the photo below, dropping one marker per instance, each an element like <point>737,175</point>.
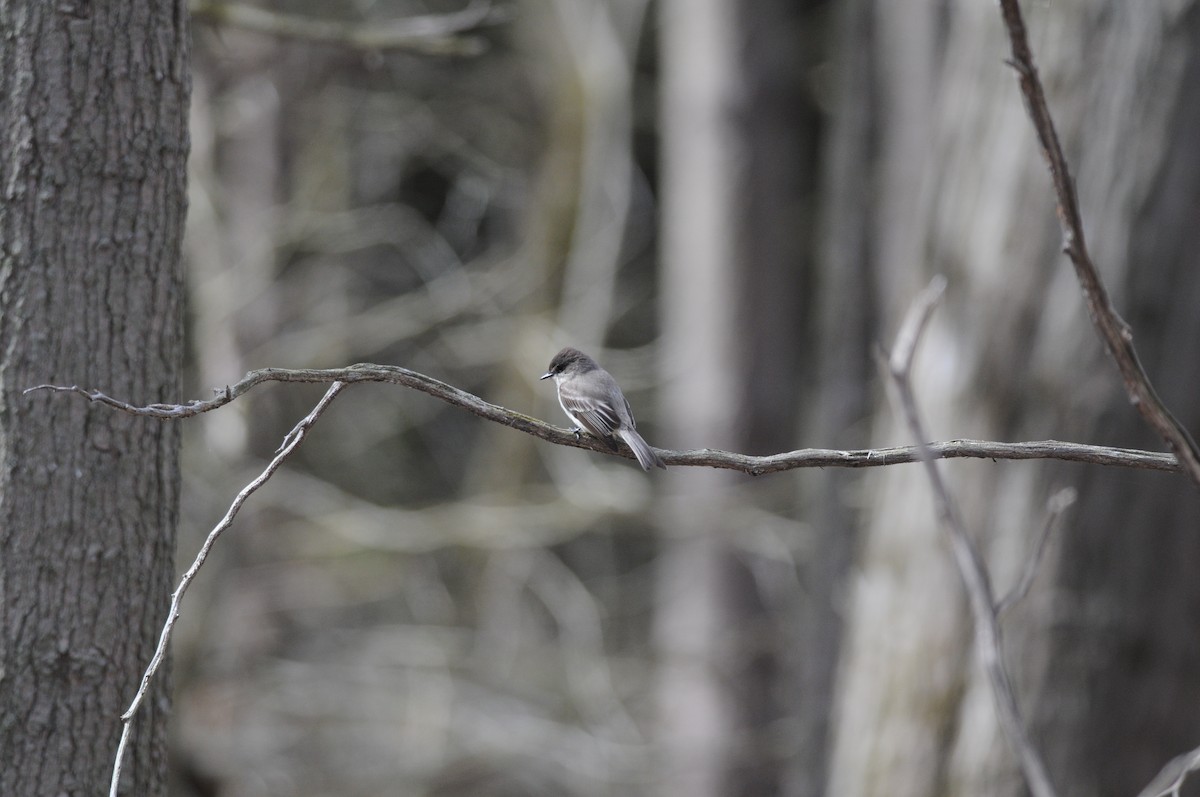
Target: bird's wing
<point>597,417</point>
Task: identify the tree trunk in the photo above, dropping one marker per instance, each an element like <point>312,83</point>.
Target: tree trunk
<point>697,715</point>
<point>1096,649</point>
<point>738,136</point>
<point>95,125</point>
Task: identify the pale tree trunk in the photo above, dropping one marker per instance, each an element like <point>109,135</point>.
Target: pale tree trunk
<point>1098,649</point>
<point>696,714</point>
<point>738,176</point>
<point>94,116</point>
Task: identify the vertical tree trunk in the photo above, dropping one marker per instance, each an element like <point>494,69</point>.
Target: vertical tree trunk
<point>739,131</point>
<point>94,119</point>
<point>845,317</point>
<point>696,713</point>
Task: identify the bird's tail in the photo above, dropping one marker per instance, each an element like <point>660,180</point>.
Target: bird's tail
<point>641,449</point>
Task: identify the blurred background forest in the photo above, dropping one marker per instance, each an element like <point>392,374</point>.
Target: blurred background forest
<point>728,204</point>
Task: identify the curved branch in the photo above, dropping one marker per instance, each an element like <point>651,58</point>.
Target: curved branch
<point>705,457</point>
<point>290,443</point>
<point>431,34</point>
<point>1116,334</point>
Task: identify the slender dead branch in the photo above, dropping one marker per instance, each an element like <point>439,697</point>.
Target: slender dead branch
<point>1056,506</point>
<point>1116,334</point>
<point>1170,778</point>
<point>705,457</point>
<point>970,566</point>
<point>430,34</point>
<point>293,439</point>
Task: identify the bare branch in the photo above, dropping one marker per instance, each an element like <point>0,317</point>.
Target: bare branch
<point>432,34</point>
<point>970,566</point>
<point>1170,778</point>
<point>293,439</point>
<point>705,457</point>
<point>1116,334</point>
<point>1055,507</point>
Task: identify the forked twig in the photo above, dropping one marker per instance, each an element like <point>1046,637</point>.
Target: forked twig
<point>970,567</point>
<point>290,443</point>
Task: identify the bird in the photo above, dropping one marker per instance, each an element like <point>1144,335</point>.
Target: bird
<point>593,401</point>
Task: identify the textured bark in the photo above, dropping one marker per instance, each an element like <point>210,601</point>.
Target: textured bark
<point>94,117</point>
<point>1098,648</point>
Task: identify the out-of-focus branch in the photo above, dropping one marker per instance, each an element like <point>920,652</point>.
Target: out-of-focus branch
<point>290,443</point>
<point>431,34</point>
<point>1056,506</point>
<point>1116,334</point>
<point>705,457</point>
<point>1170,778</point>
<point>970,566</point>
<point>602,43</point>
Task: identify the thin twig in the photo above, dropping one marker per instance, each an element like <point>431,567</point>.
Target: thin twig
<point>1170,778</point>
<point>705,457</point>
<point>970,566</point>
<point>1055,507</point>
<point>293,439</point>
<point>1116,334</point>
<point>431,34</point>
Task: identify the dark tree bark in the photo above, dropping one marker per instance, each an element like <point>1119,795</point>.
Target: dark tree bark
<point>94,119</point>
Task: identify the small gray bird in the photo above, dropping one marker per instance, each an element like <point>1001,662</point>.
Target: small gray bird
<point>593,401</point>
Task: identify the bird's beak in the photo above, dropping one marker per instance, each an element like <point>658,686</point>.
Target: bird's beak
<point>546,375</point>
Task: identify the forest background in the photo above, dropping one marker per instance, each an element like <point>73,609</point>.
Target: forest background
<point>730,204</point>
